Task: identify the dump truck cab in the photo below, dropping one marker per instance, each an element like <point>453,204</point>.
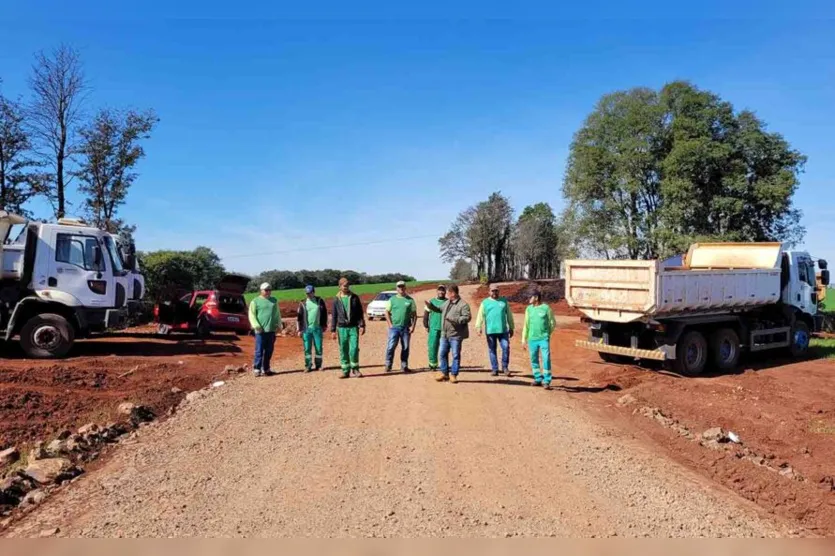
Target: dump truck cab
<point>60,282</point>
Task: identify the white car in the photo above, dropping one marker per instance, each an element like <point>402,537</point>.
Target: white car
<point>377,308</point>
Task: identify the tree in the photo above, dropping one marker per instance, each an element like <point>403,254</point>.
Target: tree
<point>168,272</point>
<point>110,149</point>
<point>535,242</point>
<point>58,86</point>
<point>651,171</point>
<point>482,235</point>
<point>462,270</point>
<point>18,179</point>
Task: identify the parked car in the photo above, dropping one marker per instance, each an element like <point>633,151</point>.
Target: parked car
<point>377,308</point>
<point>205,311</point>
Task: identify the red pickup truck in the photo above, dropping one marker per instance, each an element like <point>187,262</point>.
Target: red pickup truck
<point>205,311</point>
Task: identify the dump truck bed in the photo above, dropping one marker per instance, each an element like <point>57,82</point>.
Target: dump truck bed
<point>716,278</point>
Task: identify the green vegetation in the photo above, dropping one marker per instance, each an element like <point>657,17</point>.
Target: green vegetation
<point>330,291</point>
<point>823,348</point>
<point>829,302</point>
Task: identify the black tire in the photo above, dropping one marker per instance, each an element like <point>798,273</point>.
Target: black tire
<point>616,359</point>
<point>47,336</point>
<point>691,354</point>
<point>799,338</point>
<point>725,349</point>
<point>204,330</point>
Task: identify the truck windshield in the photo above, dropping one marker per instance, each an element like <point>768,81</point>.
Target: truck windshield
<point>115,258</point>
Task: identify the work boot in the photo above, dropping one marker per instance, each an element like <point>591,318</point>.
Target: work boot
<point>494,373</point>
<point>356,372</point>
<point>537,383</point>
<point>453,379</point>
<point>388,369</point>
<point>506,372</point>
<point>407,370</point>
<point>345,374</point>
<point>546,385</point>
<point>441,377</point>
<point>307,369</point>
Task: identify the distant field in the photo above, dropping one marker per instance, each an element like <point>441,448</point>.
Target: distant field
<point>330,291</point>
<point>829,302</point>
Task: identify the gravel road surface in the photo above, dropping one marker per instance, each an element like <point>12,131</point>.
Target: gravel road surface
<point>391,455</point>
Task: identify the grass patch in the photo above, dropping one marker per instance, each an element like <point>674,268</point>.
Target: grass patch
<point>823,348</point>
<point>330,291</point>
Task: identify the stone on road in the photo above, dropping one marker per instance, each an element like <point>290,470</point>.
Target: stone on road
<point>390,455</point>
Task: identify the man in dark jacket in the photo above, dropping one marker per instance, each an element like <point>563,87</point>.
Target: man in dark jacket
<point>455,318</point>
<point>313,319</point>
<point>349,320</point>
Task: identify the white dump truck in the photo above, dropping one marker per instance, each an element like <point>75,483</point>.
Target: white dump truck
<point>725,299</point>
<point>59,282</point>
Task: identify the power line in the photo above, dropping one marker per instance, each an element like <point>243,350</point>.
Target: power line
<point>325,247</point>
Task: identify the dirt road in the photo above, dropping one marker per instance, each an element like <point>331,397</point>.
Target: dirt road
<point>391,455</point>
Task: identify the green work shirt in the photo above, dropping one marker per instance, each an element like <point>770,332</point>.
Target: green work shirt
<point>312,309</point>
<point>496,314</point>
<point>436,322</point>
<point>346,302</point>
<point>264,315</point>
<point>539,323</point>
<point>402,308</point>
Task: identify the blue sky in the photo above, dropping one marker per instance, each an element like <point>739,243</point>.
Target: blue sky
<point>295,128</point>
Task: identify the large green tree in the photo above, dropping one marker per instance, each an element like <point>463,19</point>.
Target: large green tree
<point>167,272</point>
<point>651,171</point>
<point>19,179</point>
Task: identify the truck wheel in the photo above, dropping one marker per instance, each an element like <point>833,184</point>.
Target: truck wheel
<point>724,349</point>
<point>799,339</point>
<point>616,359</point>
<point>691,354</point>
<point>46,336</point>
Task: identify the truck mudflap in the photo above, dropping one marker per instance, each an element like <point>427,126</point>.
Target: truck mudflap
<point>116,318</point>
<point>660,354</point>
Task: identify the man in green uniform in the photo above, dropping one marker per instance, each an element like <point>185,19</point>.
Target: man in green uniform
<point>401,315</point>
<point>495,319</point>
<point>433,323</point>
<point>312,319</point>
<point>349,320</point>
<point>265,320</point>
<point>536,337</point>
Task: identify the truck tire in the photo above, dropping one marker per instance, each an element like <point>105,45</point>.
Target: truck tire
<point>799,339</point>
<point>616,359</point>
<point>691,354</point>
<point>46,336</point>
<point>725,349</point>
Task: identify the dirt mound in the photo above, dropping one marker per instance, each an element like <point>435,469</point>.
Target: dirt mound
<point>519,295</point>
<point>38,399</point>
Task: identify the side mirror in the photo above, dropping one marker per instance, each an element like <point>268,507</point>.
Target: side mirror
<point>825,277</point>
<point>97,257</point>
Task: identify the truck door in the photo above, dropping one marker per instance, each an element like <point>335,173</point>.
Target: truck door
<point>803,287</point>
<point>79,269</point>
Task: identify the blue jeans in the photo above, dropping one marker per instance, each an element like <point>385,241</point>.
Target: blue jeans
<point>504,340</point>
<point>264,344</point>
<point>447,345</point>
<point>398,334</point>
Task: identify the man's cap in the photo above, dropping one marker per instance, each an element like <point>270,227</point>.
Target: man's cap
<point>441,287</point>
<point>266,286</point>
<point>494,288</point>
<point>309,289</point>
<point>401,284</point>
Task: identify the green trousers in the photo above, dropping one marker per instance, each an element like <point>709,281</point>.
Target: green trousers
<point>544,347</point>
<point>434,345</point>
<point>312,339</point>
<point>349,349</point>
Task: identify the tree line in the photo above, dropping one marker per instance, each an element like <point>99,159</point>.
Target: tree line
<point>168,273</point>
<point>649,172</point>
<point>54,138</point>
<point>289,279</point>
